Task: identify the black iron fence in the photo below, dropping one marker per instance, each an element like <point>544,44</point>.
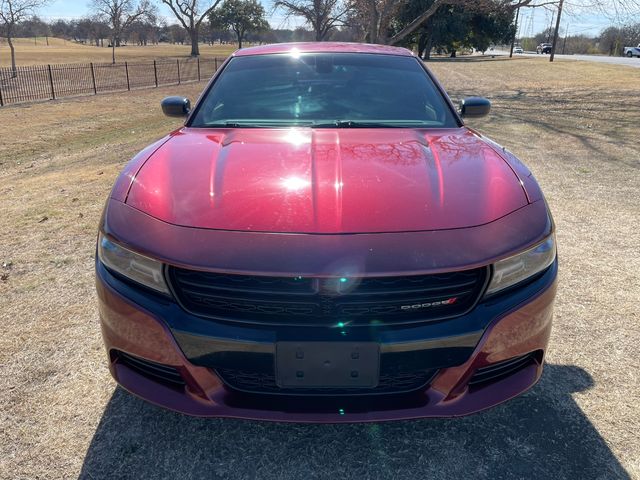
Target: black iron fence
<point>48,82</point>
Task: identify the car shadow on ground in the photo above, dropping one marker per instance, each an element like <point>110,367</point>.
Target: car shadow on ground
<point>542,434</point>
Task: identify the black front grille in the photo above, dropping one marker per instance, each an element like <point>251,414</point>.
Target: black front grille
<point>255,382</point>
<point>165,374</point>
<point>316,301</point>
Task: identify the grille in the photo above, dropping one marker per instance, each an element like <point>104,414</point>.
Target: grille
<point>155,371</point>
<point>255,382</point>
<point>315,301</point>
<point>500,370</point>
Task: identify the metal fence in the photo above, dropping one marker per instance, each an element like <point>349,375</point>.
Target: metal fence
<point>48,82</point>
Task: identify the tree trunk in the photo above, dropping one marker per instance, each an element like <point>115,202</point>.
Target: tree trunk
<point>422,43</point>
<point>114,40</point>
<point>515,34</point>
<point>374,20</point>
<point>14,70</point>
<point>240,35</point>
<point>428,47</point>
<point>195,50</point>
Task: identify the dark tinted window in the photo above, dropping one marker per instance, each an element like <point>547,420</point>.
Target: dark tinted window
<point>324,90</point>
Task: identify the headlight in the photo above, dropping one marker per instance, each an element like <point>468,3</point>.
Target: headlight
<point>138,268</point>
<point>513,270</point>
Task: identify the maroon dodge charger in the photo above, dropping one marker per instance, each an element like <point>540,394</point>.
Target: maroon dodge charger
<point>324,240</point>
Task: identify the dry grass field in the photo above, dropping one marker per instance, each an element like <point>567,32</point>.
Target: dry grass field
<point>31,51</point>
<point>61,416</point>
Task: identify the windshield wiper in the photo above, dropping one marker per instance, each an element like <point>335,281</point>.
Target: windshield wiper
<point>371,124</point>
<point>256,124</point>
<point>230,125</point>
<point>260,123</point>
<point>347,124</point>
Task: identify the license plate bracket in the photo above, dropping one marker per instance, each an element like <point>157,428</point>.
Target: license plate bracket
<point>327,364</point>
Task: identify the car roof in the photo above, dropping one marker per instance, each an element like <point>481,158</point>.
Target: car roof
<point>322,47</point>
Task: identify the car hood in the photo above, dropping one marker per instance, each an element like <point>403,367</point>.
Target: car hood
<point>326,180</point>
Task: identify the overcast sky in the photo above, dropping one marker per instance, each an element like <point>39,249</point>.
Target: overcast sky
<point>532,20</point>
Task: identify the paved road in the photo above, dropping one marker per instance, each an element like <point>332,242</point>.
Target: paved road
<point>631,62</point>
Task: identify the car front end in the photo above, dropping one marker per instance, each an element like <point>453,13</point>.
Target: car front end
<point>326,272</point>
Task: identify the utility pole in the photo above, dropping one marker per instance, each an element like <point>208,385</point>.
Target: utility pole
<point>515,33</point>
<point>566,34</point>
<point>555,33</point>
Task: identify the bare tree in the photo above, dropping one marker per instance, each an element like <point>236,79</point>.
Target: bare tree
<point>120,15</point>
<point>12,12</point>
<point>177,34</point>
<point>375,16</point>
<point>99,31</point>
<point>321,15</point>
<point>613,10</point>
<point>613,39</point>
<point>144,31</point>
<point>190,14</point>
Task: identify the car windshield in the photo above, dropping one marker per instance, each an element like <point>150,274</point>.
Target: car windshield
<point>324,90</point>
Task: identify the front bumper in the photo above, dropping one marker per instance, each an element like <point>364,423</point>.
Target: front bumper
<point>515,324</point>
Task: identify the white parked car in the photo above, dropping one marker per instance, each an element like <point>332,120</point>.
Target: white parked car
<point>518,50</point>
<point>632,51</point>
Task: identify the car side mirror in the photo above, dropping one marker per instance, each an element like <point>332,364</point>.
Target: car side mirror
<point>176,106</point>
<point>475,107</point>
